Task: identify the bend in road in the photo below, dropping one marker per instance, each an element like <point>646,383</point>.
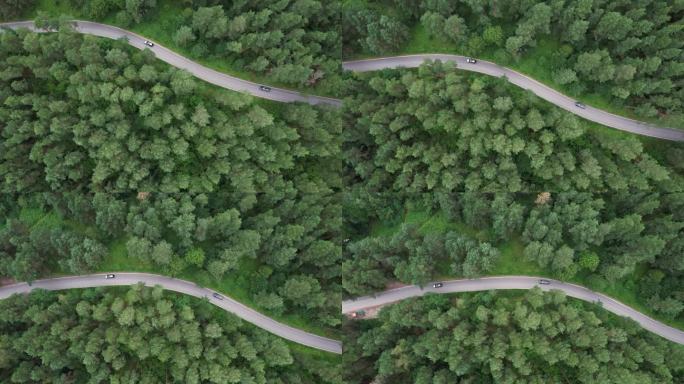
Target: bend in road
<point>207,74</point>
<point>185,287</point>
<point>517,282</point>
<point>409,61</point>
<point>524,82</point>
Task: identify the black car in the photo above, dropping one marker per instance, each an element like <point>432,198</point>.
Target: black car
<point>149,43</point>
<point>580,105</point>
<point>470,60</point>
<point>217,296</point>
<point>265,88</point>
<point>437,285</point>
<point>544,282</point>
<point>110,276</point>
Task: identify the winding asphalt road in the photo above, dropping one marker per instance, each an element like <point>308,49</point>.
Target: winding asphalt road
<point>178,61</point>
<point>188,288</point>
<point>516,282</point>
<point>410,61</point>
<point>524,82</point>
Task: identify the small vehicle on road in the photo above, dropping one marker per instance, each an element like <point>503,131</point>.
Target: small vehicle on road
<point>580,105</point>
<point>470,60</point>
<point>265,88</point>
<point>544,282</point>
<point>149,43</point>
<point>437,285</point>
<point>217,296</point>
<point>358,314</point>
<point>110,276</point>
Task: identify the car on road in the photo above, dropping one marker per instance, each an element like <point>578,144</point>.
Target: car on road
<point>110,276</point>
<point>580,105</point>
<point>437,285</point>
<point>544,282</point>
<point>358,314</point>
<point>149,43</point>
<point>470,60</point>
<point>265,88</point>
<point>217,296</point>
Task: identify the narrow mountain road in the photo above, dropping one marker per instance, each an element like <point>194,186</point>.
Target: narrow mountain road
<point>516,282</point>
<point>410,61</point>
<point>207,74</point>
<point>185,287</point>
<point>524,82</point>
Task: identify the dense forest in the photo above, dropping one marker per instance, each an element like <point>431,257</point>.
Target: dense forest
<point>629,50</point>
<point>496,158</point>
<point>112,160</point>
<point>188,176</point>
<point>506,338</point>
<point>141,335</point>
<point>412,257</point>
<point>293,42</point>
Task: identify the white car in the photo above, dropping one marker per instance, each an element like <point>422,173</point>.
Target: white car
<point>110,276</point>
<point>470,60</point>
<point>149,43</point>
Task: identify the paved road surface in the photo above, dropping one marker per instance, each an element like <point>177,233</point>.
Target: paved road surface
<point>188,288</point>
<point>524,82</point>
<point>202,72</point>
<point>516,282</point>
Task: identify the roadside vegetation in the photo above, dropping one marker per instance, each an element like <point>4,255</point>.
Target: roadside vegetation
<point>621,56</point>
<point>512,179</point>
<point>147,169</point>
<point>142,334</point>
<point>507,337</point>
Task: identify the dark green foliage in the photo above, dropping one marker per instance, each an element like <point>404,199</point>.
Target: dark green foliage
<point>142,335</point>
<point>484,153</point>
<point>293,42</point>
<point>183,175</point>
<point>504,338</point>
<point>13,9</point>
<point>27,253</point>
<point>127,11</point>
<point>412,257</point>
<point>372,32</point>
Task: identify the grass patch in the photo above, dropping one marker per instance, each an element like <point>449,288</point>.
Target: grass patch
<point>512,262</point>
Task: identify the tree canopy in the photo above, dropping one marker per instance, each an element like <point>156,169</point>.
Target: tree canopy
<point>141,335</point>
<point>497,337</point>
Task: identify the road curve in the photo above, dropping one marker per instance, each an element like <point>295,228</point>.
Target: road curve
<point>524,82</point>
<point>178,61</point>
<point>516,282</point>
<point>409,61</point>
<point>185,287</point>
